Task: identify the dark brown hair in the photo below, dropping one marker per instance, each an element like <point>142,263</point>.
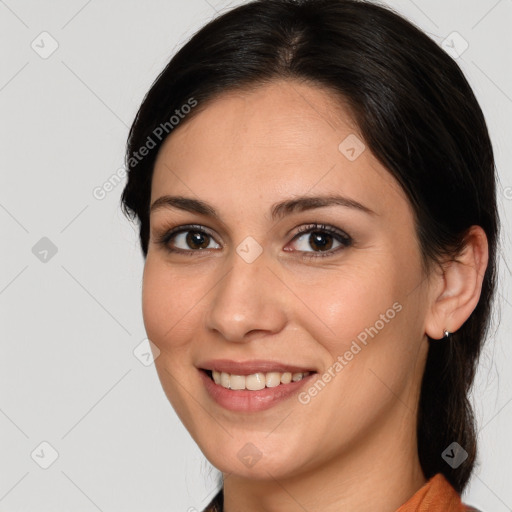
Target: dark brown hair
<point>416,113</point>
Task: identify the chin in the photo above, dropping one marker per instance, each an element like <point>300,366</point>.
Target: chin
<point>254,455</point>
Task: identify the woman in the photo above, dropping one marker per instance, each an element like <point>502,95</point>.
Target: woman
<point>315,187</point>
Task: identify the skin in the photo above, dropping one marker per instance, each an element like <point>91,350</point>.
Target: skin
<point>353,447</point>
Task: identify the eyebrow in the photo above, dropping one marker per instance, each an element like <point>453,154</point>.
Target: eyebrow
<point>278,210</point>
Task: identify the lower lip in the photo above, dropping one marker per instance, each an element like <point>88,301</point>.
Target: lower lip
<point>243,400</point>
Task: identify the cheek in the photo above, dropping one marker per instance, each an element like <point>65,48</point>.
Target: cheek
<point>373,319</point>
<point>169,304</point>
<point>348,304</point>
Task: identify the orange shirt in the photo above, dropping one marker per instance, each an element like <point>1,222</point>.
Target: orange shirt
<point>437,495</point>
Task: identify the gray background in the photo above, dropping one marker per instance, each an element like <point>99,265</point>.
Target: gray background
<point>71,319</point>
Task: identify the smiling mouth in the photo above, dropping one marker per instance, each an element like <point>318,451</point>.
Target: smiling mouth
<point>255,381</point>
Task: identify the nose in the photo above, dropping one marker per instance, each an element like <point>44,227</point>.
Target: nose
<point>249,298</point>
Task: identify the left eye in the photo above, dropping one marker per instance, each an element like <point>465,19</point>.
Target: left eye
<point>322,238</point>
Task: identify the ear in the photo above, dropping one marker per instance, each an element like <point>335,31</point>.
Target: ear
<point>455,290</point>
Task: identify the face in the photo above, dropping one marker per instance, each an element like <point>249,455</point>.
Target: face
<point>335,289</point>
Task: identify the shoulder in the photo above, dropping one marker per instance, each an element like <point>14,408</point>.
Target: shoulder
<point>217,503</point>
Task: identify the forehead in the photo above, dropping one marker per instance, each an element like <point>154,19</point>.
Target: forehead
<point>277,140</point>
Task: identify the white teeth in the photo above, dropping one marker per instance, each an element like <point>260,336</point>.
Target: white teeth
<point>237,382</point>
<point>272,379</point>
<point>256,381</point>
<point>224,380</point>
<point>286,378</point>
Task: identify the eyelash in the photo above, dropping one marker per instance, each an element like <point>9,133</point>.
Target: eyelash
<point>340,236</point>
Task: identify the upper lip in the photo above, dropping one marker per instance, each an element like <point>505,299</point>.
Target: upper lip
<point>250,367</point>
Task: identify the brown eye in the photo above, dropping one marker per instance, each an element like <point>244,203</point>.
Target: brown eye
<point>320,241</point>
<point>197,239</point>
<point>189,239</point>
<point>321,238</point>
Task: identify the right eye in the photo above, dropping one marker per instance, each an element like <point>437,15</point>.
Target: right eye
<point>192,238</point>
